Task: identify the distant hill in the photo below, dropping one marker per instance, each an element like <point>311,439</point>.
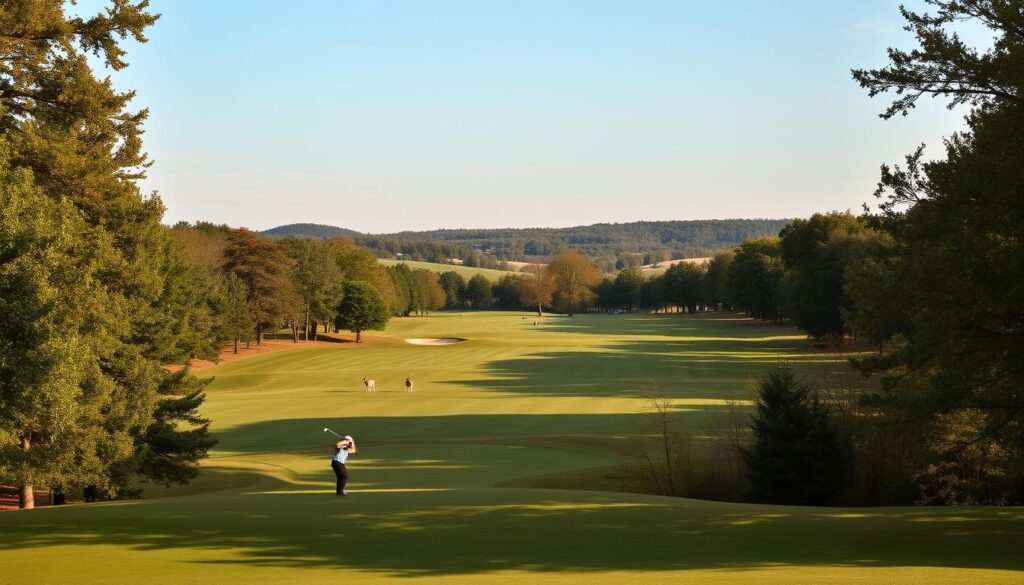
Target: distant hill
<point>684,239</point>
<point>309,230</point>
<point>648,241</point>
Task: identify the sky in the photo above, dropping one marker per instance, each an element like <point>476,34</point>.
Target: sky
<point>390,115</point>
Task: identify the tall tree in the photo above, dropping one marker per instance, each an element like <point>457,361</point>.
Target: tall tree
<point>454,286</point>
<point>478,291</point>
<point>362,308</point>
<point>235,315</point>
<point>627,287</point>
<point>573,275</point>
<point>754,277</point>
<point>816,253</point>
<point>684,284</point>
<point>317,279</point>
<point>536,289</point>
<point>434,297</point>
<point>797,456</point>
<point>76,135</point>
<point>45,315</point>
<point>715,290</point>
<point>943,298</point>
<point>263,265</point>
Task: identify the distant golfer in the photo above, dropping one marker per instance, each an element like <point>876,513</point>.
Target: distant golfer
<point>342,449</point>
<point>408,383</point>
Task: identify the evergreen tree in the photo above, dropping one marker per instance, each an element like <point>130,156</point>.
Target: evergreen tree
<point>76,135</point>
<point>943,296</point>
<point>797,456</point>
<point>235,315</point>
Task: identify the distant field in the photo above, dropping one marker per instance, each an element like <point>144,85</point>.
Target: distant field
<point>659,268</point>
<point>466,271</point>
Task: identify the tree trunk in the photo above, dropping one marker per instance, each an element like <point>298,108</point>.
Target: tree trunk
<point>26,494</point>
<point>259,334</point>
<point>306,330</point>
<point>236,344</point>
<point>540,310</point>
<point>358,337</point>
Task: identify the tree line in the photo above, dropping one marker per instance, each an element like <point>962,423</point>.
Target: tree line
<point>929,284</point>
<point>94,298</point>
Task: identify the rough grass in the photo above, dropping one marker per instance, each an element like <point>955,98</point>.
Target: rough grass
<point>451,481</point>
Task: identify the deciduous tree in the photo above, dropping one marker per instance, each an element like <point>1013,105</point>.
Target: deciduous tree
<point>573,275</point>
<point>361,309</point>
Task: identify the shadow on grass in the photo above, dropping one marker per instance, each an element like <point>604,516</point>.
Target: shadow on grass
<point>711,369</point>
<point>460,532</point>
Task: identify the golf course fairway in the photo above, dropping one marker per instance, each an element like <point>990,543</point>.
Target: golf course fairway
<point>453,482</point>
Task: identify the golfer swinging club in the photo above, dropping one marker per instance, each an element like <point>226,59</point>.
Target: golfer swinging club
<point>342,449</point>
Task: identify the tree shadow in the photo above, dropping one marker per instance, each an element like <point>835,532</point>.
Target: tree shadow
<point>707,369</point>
<point>460,532</point>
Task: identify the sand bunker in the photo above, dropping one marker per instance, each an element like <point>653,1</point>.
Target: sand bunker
<point>435,340</point>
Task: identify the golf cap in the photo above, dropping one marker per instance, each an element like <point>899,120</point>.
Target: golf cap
<point>349,437</point>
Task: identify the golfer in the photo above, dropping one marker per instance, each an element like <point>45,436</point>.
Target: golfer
<point>342,449</point>
<point>408,384</point>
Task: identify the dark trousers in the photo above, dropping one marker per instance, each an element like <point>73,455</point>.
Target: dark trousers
<point>341,472</point>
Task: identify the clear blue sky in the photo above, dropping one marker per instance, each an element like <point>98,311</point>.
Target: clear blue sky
<point>383,115</point>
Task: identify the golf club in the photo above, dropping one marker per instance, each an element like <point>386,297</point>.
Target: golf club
<point>327,430</point>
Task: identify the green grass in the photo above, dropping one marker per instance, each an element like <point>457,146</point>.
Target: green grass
<point>451,482</point>
<point>467,272</point>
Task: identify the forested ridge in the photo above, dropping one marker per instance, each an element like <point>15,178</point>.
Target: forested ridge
<point>660,239</point>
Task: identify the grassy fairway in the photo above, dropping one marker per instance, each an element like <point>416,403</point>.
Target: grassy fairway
<point>515,401</point>
<point>467,272</point>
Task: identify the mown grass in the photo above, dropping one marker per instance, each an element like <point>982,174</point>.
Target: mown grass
<point>451,484</point>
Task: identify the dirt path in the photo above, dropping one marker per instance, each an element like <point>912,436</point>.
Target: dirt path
<point>273,345</point>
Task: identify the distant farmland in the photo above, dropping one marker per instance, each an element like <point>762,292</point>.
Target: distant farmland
<point>467,272</point>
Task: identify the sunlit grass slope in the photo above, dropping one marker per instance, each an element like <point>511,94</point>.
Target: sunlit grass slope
<point>516,401</point>
<point>467,272</point>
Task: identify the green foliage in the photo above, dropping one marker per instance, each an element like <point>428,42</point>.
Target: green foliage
<point>796,456</point>
<point>169,454</point>
<point>715,288</point>
<point>316,279</point>
<point>943,296</point>
<point>236,320</point>
<point>754,276</point>
<point>266,270</point>
<point>683,284</point>
<point>454,286</point>
<point>681,239</point>
<point>479,293</point>
<point>75,134</point>
<point>627,287</point>
<point>362,308</point>
<point>816,253</point>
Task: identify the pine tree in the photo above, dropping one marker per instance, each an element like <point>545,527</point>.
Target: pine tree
<point>797,456</point>
<point>82,145</point>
